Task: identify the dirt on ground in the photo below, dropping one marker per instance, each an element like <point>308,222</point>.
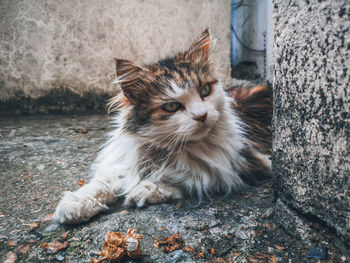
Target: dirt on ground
<point>42,156</point>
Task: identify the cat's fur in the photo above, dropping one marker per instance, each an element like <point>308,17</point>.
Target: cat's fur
<point>213,144</point>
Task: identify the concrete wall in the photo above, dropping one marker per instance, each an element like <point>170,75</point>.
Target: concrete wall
<point>311,158</point>
<point>50,49</point>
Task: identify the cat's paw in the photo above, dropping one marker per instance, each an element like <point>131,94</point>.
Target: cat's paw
<point>151,193</point>
<point>76,208</point>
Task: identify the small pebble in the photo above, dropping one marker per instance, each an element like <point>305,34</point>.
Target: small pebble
<point>316,252</point>
<point>35,235</point>
<point>59,258</point>
<point>51,227</point>
<point>269,212</point>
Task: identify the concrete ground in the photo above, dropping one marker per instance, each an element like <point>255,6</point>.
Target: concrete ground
<point>42,156</point>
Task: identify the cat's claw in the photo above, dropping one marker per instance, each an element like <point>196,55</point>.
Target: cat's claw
<point>74,208</point>
<point>150,193</point>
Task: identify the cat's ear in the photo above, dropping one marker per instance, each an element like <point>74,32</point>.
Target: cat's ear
<point>199,50</point>
<point>128,75</point>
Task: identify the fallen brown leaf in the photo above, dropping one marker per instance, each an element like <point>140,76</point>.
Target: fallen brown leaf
<point>47,218</point>
<point>10,257</point>
<point>252,260</point>
<point>13,242</point>
<point>195,252</point>
<point>116,246</point>
<point>169,244</point>
<point>211,251</point>
<point>260,255</point>
<point>279,247</point>
<point>236,254</point>
<point>81,182</point>
<point>54,247</point>
<point>23,249</point>
<point>218,260</point>
<point>65,234</point>
<point>175,242</point>
<point>273,259</point>
<point>33,225</point>
<point>162,229</point>
<point>267,225</point>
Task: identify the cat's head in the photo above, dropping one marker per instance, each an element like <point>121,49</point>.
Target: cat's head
<point>176,99</point>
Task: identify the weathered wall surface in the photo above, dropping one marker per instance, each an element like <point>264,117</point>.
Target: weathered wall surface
<point>311,120</point>
<point>64,49</point>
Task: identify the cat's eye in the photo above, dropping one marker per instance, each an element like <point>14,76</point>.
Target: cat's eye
<point>205,91</point>
<point>172,106</point>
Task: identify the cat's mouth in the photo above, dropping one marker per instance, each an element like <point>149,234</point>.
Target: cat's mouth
<point>200,132</point>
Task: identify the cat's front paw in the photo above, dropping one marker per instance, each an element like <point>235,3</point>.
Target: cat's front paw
<point>76,208</point>
<point>151,193</point>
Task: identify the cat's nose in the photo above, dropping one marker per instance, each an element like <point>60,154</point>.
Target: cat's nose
<point>201,117</point>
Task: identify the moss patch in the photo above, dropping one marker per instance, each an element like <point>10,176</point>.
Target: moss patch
<point>58,100</point>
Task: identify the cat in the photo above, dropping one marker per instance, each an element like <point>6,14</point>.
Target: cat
<point>176,130</point>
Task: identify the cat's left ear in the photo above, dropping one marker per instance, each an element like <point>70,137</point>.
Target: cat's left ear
<point>200,48</point>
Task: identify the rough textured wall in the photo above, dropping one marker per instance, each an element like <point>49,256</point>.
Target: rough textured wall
<point>55,49</point>
<point>311,123</point>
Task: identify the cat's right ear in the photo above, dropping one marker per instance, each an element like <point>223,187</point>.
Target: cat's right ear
<point>128,76</point>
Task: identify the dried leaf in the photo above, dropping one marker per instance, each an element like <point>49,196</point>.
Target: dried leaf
<point>279,247</point>
<point>218,260</point>
<point>23,249</point>
<point>132,240</point>
<point>33,225</point>
<point>162,229</point>
<point>13,242</point>
<point>273,259</point>
<point>116,246</point>
<point>211,251</point>
<point>169,244</point>
<point>10,257</point>
<point>54,247</point>
<point>81,182</point>
<point>65,234</point>
<point>260,255</point>
<point>267,225</point>
<point>252,260</point>
<point>195,252</point>
<point>175,242</point>
<point>47,218</point>
<point>236,254</point>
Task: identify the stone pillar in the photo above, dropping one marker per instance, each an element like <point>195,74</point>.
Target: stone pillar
<point>311,133</point>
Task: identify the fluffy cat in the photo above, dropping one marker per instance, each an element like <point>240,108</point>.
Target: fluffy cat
<point>177,129</point>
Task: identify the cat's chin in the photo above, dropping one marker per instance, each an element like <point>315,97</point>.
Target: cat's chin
<point>200,133</point>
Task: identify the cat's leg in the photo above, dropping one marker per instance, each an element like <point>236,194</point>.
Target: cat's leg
<point>87,201</point>
<point>151,193</point>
